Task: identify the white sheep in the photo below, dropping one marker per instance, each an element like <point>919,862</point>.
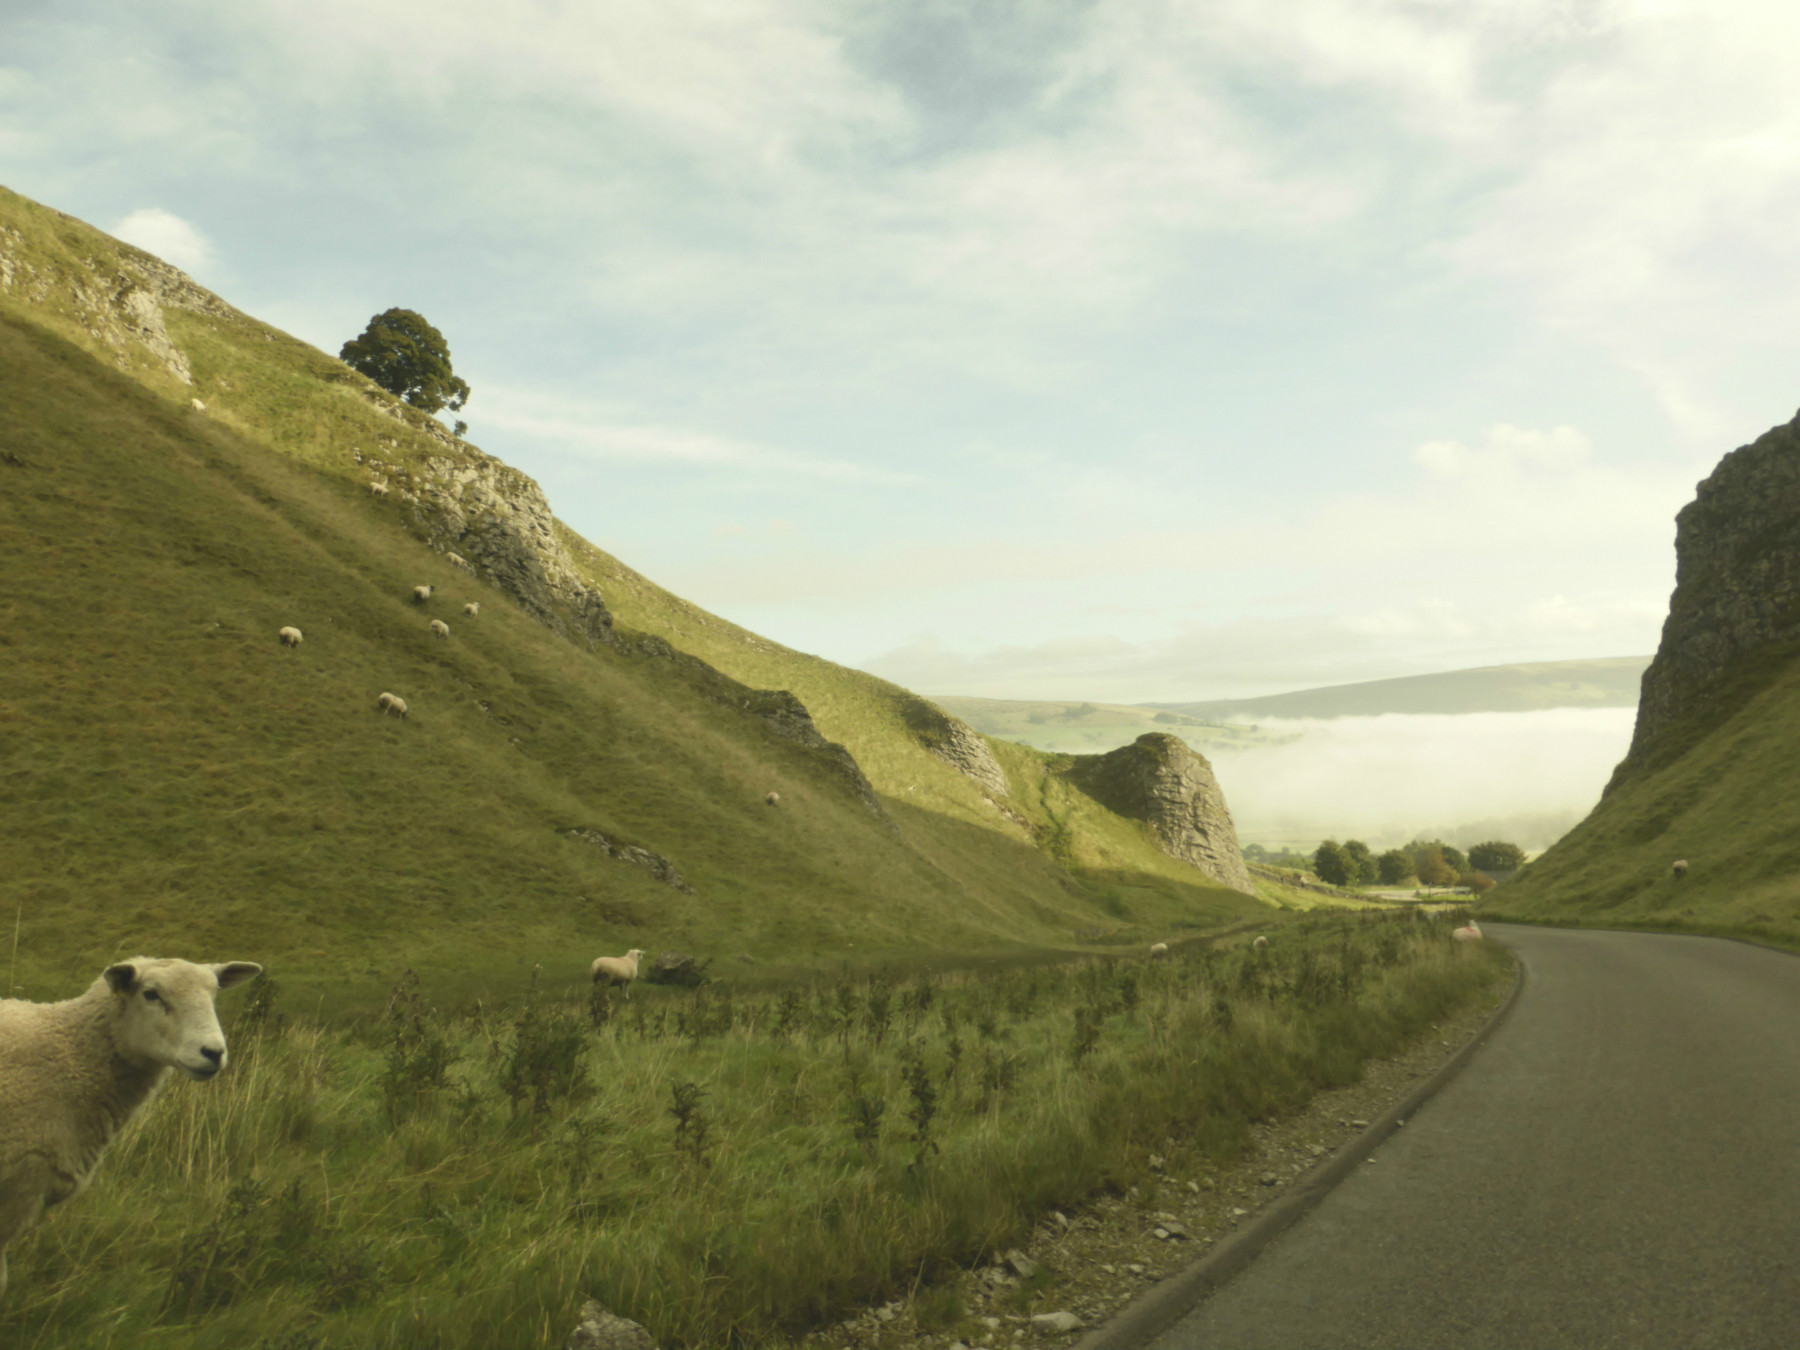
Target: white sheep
<point>1469,932</point>
<point>773,799</point>
<point>291,637</point>
<point>1680,868</point>
<point>456,558</point>
<point>1260,943</point>
<point>422,593</point>
<point>440,629</point>
<point>1158,950</point>
<point>472,608</point>
<point>378,489</point>
<point>391,703</point>
<point>72,1073</point>
<point>617,969</point>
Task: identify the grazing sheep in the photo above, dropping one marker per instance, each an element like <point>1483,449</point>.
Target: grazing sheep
<point>472,608</point>
<point>773,799</point>
<point>291,637</point>
<point>1158,949</point>
<point>1680,868</point>
<point>617,969</point>
<point>456,558</point>
<point>378,489</point>
<point>1260,943</point>
<point>440,629</point>
<point>392,703</point>
<point>72,1073</point>
<point>422,593</point>
<point>1469,932</point>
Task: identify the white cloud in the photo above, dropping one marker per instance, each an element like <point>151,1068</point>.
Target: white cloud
<point>1508,451</point>
<point>168,236</point>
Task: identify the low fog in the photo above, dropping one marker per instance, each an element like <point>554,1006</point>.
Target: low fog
<point>1527,777</point>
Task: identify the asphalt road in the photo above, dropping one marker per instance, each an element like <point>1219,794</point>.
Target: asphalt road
<point>1618,1166</point>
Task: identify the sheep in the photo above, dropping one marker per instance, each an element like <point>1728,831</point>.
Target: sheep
<point>773,799</point>
<point>440,629</point>
<point>378,489</point>
<point>1469,932</point>
<point>392,703</point>
<point>456,558</point>
<point>422,593</point>
<point>1680,868</point>
<point>1260,943</point>
<point>291,637</point>
<point>617,969</point>
<point>1158,950</point>
<point>73,1073</point>
<point>472,608</point>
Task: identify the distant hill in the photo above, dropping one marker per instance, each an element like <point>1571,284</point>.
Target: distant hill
<point>585,763</point>
<point>1713,773</point>
<point>1602,682</point>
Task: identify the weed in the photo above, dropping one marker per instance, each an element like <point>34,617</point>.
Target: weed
<point>692,1129</point>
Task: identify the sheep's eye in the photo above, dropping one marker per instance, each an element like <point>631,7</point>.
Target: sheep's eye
<point>151,996</point>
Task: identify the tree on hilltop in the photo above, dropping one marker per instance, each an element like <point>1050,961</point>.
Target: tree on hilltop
<point>409,358</point>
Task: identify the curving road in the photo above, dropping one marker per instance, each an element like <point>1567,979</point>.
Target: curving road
<point>1618,1166</point>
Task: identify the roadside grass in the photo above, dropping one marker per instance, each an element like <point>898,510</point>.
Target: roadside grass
<point>728,1167</point>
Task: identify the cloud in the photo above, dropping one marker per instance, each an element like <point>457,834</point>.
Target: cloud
<point>168,236</point>
<point>1509,451</point>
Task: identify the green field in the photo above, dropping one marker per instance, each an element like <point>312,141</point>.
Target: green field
<point>727,1168</point>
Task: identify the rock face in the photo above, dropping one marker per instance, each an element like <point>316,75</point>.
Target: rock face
<point>956,743</point>
<point>601,1330</point>
<point>1737,579</point>
<point>1159,780</point>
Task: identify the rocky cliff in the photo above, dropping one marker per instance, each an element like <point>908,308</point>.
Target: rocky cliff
<point>956,743</point>
<point>1737,582</point>
<point>1158,780</point>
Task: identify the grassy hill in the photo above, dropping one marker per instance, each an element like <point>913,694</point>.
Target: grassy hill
<point>174,780</point>
<point>1082,728</point>
<point>1605,682</point>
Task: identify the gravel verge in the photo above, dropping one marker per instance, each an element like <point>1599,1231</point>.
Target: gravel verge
<point>1081,1268</point>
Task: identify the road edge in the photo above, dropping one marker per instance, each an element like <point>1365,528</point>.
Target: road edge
<point>1166,1303</point>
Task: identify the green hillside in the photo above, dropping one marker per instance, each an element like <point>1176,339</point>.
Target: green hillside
<point>1717,792</point>
<point>175,780</point>
<point>1092,728</point>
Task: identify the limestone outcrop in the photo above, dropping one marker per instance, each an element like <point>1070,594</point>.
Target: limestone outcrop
<point>1737,580</point>
<point>956,743</point>
<point>1159,780</point>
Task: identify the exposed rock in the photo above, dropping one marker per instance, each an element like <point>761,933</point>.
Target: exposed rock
<point>678,968</point>
<point>657,865</point>
<point>955,742</point>
<point>601,1330</point>
<point>1157,779</point>
<point>1737,580</point>
<point>1058,1321</point>
<point>1022,1265</point>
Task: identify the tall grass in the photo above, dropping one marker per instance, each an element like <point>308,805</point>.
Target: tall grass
<point>727,1168</point>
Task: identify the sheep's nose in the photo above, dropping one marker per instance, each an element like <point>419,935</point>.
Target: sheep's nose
<point>213,1057</point>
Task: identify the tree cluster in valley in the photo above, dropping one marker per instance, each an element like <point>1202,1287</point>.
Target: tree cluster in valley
<point>1430,862</point>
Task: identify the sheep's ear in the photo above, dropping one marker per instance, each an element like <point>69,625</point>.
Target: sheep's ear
<point>121,977</point>
<point>236,972</point>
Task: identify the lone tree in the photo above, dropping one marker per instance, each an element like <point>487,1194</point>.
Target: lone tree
<point>408,357</point>
<point>1496,855</point>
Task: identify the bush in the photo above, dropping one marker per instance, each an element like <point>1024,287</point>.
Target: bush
<point>1476,881</point>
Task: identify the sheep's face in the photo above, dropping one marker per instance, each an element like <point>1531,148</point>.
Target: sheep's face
<point>166,1013</point>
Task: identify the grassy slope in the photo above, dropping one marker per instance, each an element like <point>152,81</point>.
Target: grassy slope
<point>1717,790</point>
<point>175,780</point>
<point>1091,728</point>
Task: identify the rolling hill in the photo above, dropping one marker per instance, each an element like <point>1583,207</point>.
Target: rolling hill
<point>584,765</point>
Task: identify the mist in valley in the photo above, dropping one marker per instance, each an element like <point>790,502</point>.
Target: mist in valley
<point>1527,777</point>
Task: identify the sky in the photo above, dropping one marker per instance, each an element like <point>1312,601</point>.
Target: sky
<point>1124,350</point>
